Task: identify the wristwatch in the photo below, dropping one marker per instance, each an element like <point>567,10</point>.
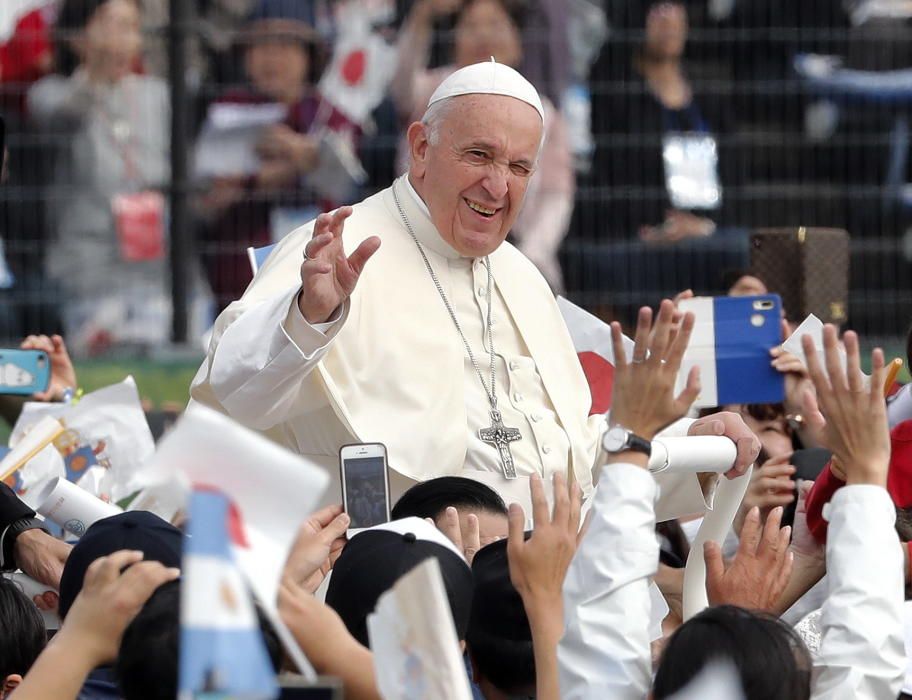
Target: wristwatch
<point>618,439</point>
<point>9,536</point>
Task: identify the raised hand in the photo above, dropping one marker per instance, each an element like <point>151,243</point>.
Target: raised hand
<point>643,399</point>
<point>319,543</point>
<point>853,418</point>
<point>328,276</point>
<point>538,565</point>
<point>771,485</point>
<point>468,542</point>
<point>760,570</point>
<point>111,597</point>
<point>63,374</point>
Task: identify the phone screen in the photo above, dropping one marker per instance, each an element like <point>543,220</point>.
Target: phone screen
<point>365,491</point>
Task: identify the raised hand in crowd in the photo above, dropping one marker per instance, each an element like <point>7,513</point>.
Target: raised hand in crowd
<point>759,572</point>
<point>643,398</point>
<point>41,556</point>
<point>316,627</point>
<point>809,555</point>
<point>797,384</point>
<point>771,485</point>
<point>538,566</point>
<point>114,591</point>
<point>63,374</point>
<point>469,541</point>
<point>328,275</point>
<point>319,543</point>
<point>852,417</point>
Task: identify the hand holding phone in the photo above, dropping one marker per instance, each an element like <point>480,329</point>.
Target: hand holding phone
<point>365,485</point>
<point>24,372</point>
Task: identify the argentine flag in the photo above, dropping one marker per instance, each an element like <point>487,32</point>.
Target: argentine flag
<point>221,647</point>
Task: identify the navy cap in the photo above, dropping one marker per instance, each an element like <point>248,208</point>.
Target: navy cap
<point>374,560</point>
<point>138,530</point>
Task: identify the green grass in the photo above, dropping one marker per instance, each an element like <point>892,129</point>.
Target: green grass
<point>159,382</point>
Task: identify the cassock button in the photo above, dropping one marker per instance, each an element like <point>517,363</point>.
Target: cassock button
<point>482,291</point>
<point>546,449</point>
<point>514,365</point>
<point>517,397</point>
<point>535,417</point>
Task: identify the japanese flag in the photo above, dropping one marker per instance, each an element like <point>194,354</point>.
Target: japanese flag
<point>592,339</point>
<point>361,68</point>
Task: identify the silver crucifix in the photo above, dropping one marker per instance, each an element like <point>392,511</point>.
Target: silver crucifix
<point>501,436</point>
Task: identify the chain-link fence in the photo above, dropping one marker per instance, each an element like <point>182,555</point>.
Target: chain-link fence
<point>787,115</point>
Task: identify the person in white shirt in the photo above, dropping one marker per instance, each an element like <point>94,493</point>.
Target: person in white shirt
<point>451,350</point>
<point>605,650</point>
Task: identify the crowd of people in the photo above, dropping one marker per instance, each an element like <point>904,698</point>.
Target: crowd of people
<point>86,83</point>
<point>424,317</point>
<point>561,610</point>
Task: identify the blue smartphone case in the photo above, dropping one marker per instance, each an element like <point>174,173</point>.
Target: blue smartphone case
<point>24,372</point>
<point>743,362</point>
<point>731,343</point>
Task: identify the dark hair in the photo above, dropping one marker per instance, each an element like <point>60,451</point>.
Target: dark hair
<point>23,635</point>
<point>767,654</point>
<point>731,275</point>
<point>430,498</point>
<point>508,664</point>
<point>147,664</point>
<point>72,18</point>
<point>499,636</point>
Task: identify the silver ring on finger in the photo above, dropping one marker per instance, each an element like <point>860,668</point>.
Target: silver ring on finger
<point>638,360</point>
<point>306,256</point>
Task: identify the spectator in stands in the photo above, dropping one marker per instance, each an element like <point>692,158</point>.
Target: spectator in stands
<point>106,217</point>
<point>659,158</point>
<point>284,58</point>
<point>22,637</point>
<point>485,29</point>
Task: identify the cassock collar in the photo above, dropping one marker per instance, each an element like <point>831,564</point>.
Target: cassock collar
<point>420,218</point>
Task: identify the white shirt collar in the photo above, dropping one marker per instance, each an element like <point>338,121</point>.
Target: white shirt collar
<point>424,228</point>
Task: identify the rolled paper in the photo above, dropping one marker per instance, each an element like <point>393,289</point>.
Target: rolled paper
<point>716,525</point>
<point>71,507</point>
<point>42,434</point>
<point>693,454</point>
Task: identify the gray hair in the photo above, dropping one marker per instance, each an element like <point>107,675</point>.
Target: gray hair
<point>436,114</point>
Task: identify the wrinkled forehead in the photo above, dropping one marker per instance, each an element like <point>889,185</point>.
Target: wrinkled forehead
<point>512,126</point>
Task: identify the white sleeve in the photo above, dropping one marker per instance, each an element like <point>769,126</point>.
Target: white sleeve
<point>258,370</point>
<point>605,649</point>
<point>862,654</point>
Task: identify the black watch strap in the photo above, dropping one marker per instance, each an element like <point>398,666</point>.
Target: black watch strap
<point>8,540</point>
<point>638,444</point>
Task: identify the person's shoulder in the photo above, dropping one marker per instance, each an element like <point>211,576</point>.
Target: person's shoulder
<point>509,259</point>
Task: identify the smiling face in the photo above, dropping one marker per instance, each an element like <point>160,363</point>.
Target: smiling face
<point>472,168</point>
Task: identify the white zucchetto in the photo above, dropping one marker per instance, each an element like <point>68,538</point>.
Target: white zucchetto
<point>489,78</point>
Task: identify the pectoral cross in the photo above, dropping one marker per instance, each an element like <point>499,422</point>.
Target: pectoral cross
<point>501,436</point>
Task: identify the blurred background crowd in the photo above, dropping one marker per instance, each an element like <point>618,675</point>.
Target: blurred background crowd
<point>148,151</point>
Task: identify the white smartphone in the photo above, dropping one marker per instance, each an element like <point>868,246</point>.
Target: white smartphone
<point>365,485</point>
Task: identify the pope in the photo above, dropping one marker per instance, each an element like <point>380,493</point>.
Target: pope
<point>409,320</point>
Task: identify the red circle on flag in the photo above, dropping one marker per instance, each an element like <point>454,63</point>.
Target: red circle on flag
<point>353,67</point>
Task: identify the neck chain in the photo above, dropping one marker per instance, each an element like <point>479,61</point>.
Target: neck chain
<point>497,435</point>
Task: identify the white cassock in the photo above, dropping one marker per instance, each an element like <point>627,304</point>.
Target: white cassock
<point>392,368</point>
